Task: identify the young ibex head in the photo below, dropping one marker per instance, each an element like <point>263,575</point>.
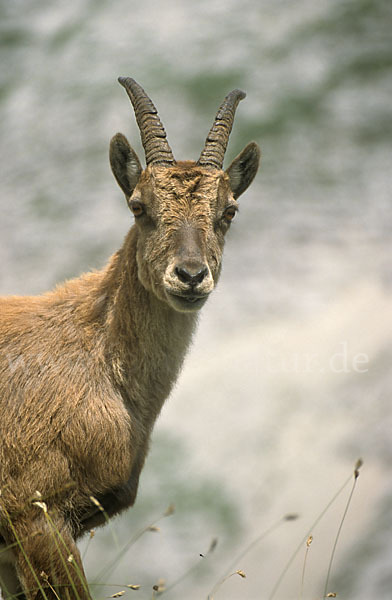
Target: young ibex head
<point>182,209</point>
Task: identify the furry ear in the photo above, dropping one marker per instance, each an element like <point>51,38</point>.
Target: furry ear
<point>125,164</point>
<point>244,168</point>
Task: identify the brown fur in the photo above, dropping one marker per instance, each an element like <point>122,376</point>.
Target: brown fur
<point>85,369</point>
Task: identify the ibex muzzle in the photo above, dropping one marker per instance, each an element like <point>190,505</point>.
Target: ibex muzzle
<point>188,279</point>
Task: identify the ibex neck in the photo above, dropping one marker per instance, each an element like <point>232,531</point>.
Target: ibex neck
<point>146,340</point>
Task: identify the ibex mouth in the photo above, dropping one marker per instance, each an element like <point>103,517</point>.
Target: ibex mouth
<point>187,302</point>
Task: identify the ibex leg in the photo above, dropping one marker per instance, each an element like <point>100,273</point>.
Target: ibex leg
<point>48,562</point>
<point>9,581</point>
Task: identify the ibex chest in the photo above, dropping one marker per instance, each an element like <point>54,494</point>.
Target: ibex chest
<point>99,441</point>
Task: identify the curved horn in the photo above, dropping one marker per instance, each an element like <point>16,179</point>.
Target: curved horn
<point>215,147</point>
<point>156,147</point>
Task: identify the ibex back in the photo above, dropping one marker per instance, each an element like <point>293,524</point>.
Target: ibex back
<point>85,369</point>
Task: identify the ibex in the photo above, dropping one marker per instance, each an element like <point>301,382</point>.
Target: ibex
<point>85,368</point>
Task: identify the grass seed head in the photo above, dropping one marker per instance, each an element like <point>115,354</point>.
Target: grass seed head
<point>159,586</point>
<point>358,465</point>
<point>169,511</point>
<point>41,505</point>
<point>97,503</point>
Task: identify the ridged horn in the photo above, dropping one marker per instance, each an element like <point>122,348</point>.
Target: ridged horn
<point>152,132</point>
<point>218,137</point>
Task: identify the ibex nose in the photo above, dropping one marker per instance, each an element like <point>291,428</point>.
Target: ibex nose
<point>191,276</point>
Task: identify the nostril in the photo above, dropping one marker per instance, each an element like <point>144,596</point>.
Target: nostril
<point>191,277</point>
<point>183,275</point>
<point>198,277</point>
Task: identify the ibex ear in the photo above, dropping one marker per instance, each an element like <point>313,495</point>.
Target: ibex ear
<point>125,164</point>
<point>243,169</point>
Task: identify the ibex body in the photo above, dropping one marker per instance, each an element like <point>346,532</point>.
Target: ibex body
<point>85,369</point>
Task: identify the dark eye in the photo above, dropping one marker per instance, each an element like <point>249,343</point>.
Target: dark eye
<point>136,207</point>
<point>229,213</point>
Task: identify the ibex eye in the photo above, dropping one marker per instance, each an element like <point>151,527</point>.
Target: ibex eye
<point>137,208</point>
<point>229,213</point>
